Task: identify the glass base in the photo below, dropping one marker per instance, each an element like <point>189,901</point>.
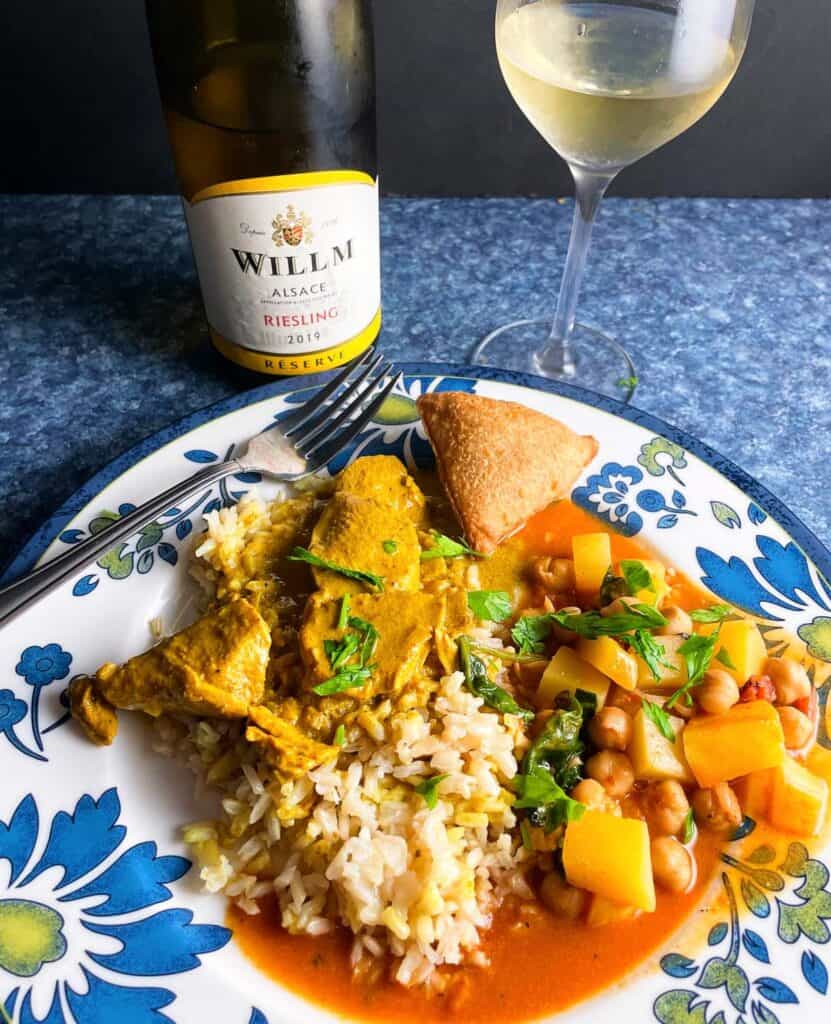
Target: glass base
<point>594,361</point>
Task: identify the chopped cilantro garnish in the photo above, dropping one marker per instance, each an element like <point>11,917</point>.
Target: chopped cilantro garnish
<point>660,718</point>
<point>351,677</point>
<point>343,616</point>
<point>697,652</point>
<point>651,650</point>
<point>531,630</point>
<point>489,605</point>
<point>389,546</point>
<point>725,659</point>
<point>428,789</point>
<point>715,613</point>
<point>340,735</point>
<point>636,575</point>
<point>446,547</point>
<point>340,651</point>
<point>304,555</point>
<point>688,831</point>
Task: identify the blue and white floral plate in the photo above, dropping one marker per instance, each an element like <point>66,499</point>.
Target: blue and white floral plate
<point>101,920</point>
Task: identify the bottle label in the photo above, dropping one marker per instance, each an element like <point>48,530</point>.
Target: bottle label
<point>289,268</point>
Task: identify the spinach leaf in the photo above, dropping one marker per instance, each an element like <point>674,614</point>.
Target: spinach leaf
<point>549,803</point>
<point>531,632</point>
<point>480,684</point>
<point>611,588</point>
<point>299,554</point>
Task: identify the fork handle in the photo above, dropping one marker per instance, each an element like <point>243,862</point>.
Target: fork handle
<point>20,595</point>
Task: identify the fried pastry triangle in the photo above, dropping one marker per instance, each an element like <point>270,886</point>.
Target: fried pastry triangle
<point>500,462</point>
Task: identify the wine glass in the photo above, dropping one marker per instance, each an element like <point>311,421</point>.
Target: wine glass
<point>605,82</point>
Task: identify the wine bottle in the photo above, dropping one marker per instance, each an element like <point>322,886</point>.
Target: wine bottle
<point>270,111</point>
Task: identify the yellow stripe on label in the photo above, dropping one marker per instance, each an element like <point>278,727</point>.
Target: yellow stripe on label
<point>283,183</point>
<point>310,362</point>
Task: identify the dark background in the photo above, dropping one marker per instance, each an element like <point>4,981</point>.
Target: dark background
<point>80,110</point>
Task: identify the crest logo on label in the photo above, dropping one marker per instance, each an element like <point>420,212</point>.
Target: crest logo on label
<point>291,228</point>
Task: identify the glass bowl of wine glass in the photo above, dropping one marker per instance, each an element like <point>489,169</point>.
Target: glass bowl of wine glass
<point>604,82</point>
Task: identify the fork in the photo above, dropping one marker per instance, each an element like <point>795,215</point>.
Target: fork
<point>298,446</point>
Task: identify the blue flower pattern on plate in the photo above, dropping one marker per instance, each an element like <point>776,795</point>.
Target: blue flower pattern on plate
<point>92,889</point>
<point>39,667</point>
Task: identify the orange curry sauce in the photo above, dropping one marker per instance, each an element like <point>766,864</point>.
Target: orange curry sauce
<point>539,963</point>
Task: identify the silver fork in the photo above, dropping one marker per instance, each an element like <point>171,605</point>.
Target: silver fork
<point>296,447</point>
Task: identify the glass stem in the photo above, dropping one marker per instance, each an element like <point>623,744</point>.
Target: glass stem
<point>556,358</point>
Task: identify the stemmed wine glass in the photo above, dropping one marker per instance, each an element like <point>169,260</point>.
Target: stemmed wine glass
<point>605,82</point>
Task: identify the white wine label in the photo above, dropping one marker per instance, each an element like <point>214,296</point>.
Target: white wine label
<point>289,268</point>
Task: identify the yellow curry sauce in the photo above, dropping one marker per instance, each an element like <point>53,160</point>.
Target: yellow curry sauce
<point>526,943</point>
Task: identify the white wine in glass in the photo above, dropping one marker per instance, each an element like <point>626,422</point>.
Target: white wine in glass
<point>605,82</point>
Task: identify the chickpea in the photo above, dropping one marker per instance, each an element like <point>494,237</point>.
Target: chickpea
<point>678,622</point>
<point>717,809</point>
<point>789,678</point>
<point>611,729</point>
<point>672,864</point>
<point>717,692</point>
<point>555,574</point>
<point>798,728</point>
<point>666,807</point>
<point>590,793</point>
<point>613,771</point>
<point>619,605</point>
<point>562,898</point>
<point>629,701</point>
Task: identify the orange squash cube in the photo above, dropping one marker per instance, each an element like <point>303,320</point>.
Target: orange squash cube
<point>603,912</point>
<point>741,640</point>
<point>799,801</point>
<point>610,857</point>
<point>754,792</point>
<point>748,738</point>
<point>611,659</point>
<point>592,553</point>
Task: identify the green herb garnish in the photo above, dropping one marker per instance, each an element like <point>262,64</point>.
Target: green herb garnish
<point>489,605</point>
<point>304,555</point>
<point>343,616</point>
<point>725,659</point>
<point>531,630</point>
<point>659,718</point>
<point>340,651</point>
<point>389,546</point>
<point>688,831</point>
<point>697,652</point>
<point>637,576</point>
<point>715,613</point>
<point>428,788</point>
<point>525,834</point>
<point>650,650</point>
<point>480,684</point>
<point>446,547</point>
<point>611,588</point>
<point>340,736</point>
<point>504,655</point>
<point>369,637</point>
<point>551,805</point>
<point>349,678</point>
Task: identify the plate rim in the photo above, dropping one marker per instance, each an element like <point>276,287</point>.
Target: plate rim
<point>39,541</point>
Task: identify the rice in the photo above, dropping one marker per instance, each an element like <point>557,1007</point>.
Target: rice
<point>353,843</point>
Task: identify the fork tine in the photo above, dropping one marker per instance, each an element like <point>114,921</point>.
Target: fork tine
<point>346,406</point>
<point>299,417</point>
<point>320,416</point>
<point>338,441</point>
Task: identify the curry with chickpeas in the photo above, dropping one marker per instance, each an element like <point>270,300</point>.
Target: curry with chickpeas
<point>643,721</point>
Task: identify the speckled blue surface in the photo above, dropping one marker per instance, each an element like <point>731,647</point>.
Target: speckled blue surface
<point>723,305</point>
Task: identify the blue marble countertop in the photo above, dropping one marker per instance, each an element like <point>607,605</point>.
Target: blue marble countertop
<point>722,303</point>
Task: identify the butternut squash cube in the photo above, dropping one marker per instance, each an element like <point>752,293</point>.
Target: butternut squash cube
<point>819,762</point>
<point>603,912</point>
<point>799,801</point>
<point>744,646</point>
<point>671,677</point>
<point>568,671</point>
<point>754,792</point>
<point>592,554</point>
<point>654,758</point>
<point>611,659</point>
<point>610,856</point>
<point>748,738</point>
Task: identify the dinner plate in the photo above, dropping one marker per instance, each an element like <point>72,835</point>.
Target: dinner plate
<point>101,919</point>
